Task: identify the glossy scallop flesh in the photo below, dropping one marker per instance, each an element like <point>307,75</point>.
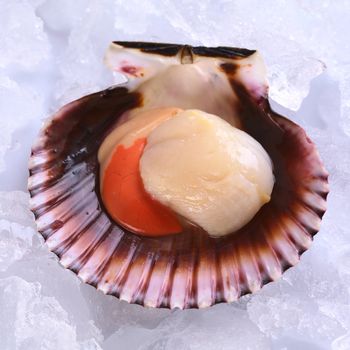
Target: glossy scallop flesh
<point>185,270</point>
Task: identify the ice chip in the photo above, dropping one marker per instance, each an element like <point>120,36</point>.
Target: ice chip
<point>14,208</point>
<point>61,16</point>
<point>82,70</point>
<point>90,344</point>
<point>305,304</point>
<point>342,343</point>
<point>290,79</point>
<point>15,242</point>
<point>344,77</point>
<point>220,327</point>
<point>36,321</point>
<point>31,320</point>
<point>16,227</point>
<point>19,106</point>
<point>22,37</point>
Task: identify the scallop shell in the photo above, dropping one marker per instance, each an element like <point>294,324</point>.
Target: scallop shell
<point>183,271</point>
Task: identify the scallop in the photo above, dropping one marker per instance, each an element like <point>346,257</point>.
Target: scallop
<point>188,268</point>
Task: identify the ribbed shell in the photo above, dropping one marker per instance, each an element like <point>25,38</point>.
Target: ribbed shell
<point>184,271</point>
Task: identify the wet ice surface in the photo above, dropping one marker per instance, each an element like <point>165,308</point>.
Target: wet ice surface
<point>51,52</point>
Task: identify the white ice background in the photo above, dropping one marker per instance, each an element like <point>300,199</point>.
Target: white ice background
<point>51,52</point>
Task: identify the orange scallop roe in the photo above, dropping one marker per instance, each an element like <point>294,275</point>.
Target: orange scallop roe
<point>127,201</point>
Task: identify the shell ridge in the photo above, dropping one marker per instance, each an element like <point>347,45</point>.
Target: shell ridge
<point>276,270</point>
<point>76,232</point>
<point>142,285</point>
<point>122,271</point>
<point>95,271</point>
<point>63,213</point>
<point>59,192</point>
<point>81,259</point>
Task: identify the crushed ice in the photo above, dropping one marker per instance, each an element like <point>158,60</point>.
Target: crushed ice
<point>51,52</point>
